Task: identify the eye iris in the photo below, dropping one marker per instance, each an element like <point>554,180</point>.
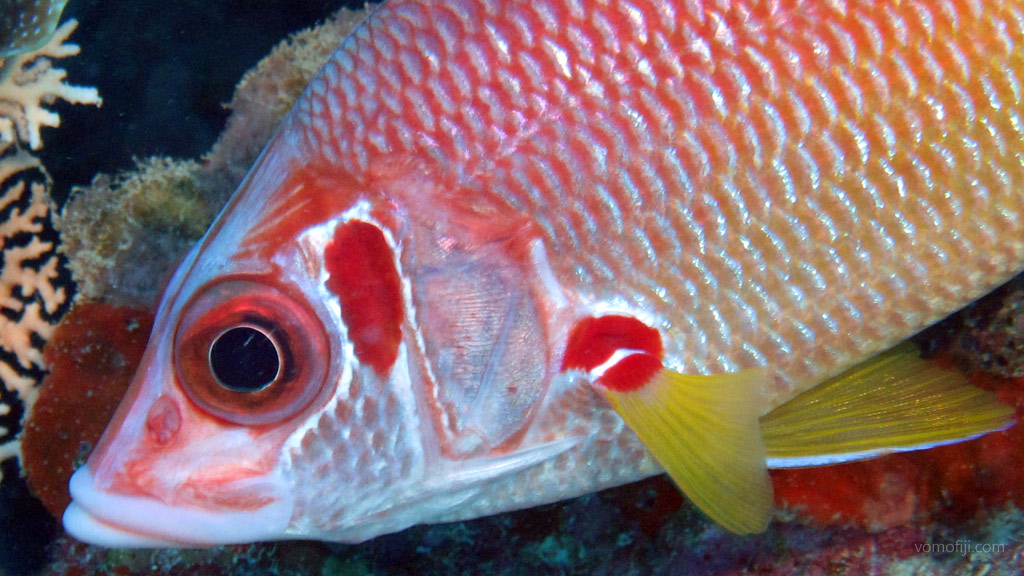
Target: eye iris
<point>244,359</point>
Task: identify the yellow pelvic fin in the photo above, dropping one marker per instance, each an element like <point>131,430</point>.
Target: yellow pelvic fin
<point>704,431</point>
<point>891,403</point>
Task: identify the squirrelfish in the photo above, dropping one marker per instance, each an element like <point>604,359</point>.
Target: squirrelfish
<point>505,252</point>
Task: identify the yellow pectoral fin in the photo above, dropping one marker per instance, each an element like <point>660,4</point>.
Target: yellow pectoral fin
<point>704,431</point>
<point>891,403</point>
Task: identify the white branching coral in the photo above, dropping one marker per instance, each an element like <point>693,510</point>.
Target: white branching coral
<point>29,81</point>
<point>34,283</point>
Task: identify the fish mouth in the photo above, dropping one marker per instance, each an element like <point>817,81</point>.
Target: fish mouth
<point>121,521</point>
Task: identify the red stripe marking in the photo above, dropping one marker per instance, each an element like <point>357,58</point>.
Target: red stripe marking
<point>592,341</point>
<point>363,275</point>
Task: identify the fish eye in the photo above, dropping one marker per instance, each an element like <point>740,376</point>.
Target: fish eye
<point>244,359</point>
<point>250,353</point>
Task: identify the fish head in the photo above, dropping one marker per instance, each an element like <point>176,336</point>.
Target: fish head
<point>312,373</point>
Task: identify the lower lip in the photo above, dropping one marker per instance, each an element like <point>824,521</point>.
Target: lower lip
<point>88,528</point>
<point>116,520</point>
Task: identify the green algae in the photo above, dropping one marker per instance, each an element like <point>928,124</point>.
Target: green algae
<point>27,25</point>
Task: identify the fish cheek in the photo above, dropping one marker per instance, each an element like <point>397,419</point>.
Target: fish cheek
<point>248,352</point>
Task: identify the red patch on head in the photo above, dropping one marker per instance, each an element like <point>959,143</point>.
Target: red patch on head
<point>307,197</point>
<point>631,373</point>
<point>593,341</point>
<point>363,275</point>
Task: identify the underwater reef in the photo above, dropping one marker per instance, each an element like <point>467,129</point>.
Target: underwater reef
<point>951,510</point>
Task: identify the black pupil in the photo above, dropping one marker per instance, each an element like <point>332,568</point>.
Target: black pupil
<point>244,359</point>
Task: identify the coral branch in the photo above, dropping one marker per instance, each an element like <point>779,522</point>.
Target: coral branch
<point>34,283</point>
<point>31,295</point>
<point>28,81</point>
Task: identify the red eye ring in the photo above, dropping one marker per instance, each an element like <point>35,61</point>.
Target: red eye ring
<point>293,331</point>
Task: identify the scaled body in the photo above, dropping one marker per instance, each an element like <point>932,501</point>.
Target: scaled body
<point>789,185</point>
<point>783,183</point>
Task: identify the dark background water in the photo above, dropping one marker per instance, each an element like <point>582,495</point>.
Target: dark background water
<point>165,70</point>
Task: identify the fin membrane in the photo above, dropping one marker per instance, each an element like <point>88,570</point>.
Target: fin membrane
<point>704,431</point>
<point>893,402</point>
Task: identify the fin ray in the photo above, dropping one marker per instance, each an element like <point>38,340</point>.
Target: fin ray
<point>893,402</point>
<point>704,431</point>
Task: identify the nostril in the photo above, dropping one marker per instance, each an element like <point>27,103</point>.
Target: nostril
<point>163,420</point>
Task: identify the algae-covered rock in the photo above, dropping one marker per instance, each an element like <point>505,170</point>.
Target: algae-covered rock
<point>121,234</point>
<point>267,92</point>
<point>992,336</point>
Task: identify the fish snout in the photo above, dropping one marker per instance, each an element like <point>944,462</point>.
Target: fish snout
<point>165,475</point>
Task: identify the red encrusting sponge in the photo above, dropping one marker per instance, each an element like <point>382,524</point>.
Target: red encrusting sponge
<point>92,357</point>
